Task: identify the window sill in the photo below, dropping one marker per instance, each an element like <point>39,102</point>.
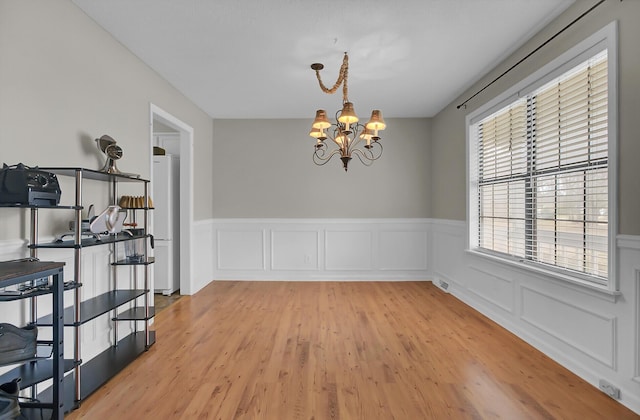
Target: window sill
<point>566,280</point>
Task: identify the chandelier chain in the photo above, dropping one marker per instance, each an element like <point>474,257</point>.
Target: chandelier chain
<point>342,80</point>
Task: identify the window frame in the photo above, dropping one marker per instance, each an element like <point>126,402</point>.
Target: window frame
<point>604,39</point>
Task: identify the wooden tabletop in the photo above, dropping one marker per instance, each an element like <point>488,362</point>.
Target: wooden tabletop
<point>13,269</point>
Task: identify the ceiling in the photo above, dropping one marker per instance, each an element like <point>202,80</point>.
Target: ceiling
<point>251,58</point>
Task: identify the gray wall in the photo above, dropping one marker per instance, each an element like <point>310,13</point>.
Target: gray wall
<point>64,81</point>
<point>263,168</point>
<point>448,135</point>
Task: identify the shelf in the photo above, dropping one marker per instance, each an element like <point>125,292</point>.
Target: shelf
<point>95,175</point>
<point>44,350</point>
<point>46,395</point>
<point>101,368</point>
<point>104,240</point>
<point>149,260</point>
<point>34,372</point>
<point>26,206</point>
<point>29,410</point>
<point>107,364</point>
<point>96,306</point>
<point>8,297</point>
<point>135,314</point>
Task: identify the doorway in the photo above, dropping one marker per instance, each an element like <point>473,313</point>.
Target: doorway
<point>182,145</point>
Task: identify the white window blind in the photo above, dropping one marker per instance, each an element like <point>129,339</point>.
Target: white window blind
<point>542,176</point>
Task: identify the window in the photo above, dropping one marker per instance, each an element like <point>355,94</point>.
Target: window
<point>539,173</point>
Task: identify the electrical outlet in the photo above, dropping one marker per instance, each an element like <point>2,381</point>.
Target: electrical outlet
<point>609,389</point>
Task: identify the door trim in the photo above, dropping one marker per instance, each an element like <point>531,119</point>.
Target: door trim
<point>186,189</point>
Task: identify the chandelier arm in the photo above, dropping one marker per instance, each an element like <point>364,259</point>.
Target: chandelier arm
<point>376,146</point>
<point>364,159</point>
<point>369,154</point>
<point>320,159</point>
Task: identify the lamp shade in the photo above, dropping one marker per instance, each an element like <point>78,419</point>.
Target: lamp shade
<point>348,114</point>
<point>321,122</point>
<point>376,122</point>
<point>366,134</point>
<point>316,133</point>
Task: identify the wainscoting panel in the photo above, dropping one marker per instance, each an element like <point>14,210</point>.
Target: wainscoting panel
<point>241,249</point>
<point>202,258</point>
<point>294,250</point>
<point>403,250</point>
<point>559,318</point>
<point>349,250</point>
<point>447,244</point>
<point>492,288</point>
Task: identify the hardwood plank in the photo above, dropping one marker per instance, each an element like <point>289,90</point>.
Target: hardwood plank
<point>332,350</point>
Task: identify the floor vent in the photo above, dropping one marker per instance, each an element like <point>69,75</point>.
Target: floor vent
<point>443,285</point>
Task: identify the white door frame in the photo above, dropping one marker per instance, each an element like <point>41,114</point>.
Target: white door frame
<point>186,189</point>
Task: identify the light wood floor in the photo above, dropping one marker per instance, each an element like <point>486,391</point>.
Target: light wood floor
<point>328,350</point>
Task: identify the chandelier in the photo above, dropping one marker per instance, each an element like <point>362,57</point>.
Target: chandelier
<point>347,137</point>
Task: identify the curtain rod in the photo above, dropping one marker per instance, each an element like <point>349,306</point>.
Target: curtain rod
<point>531,53</point>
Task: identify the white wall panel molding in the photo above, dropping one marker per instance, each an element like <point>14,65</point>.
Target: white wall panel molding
<point>241,249</point>
<point>493,288</point>
<point>295,250</point>
<point>204,257</point>
<point>347,250</point>
<point>319,249</point>
<point>559,318</point>
<point>414,246</point>
<point>447,243</point>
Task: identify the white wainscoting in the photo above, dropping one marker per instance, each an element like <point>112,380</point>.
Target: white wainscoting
<point>202,259</point>
<point>315,249</point>
<point>597,336</point>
